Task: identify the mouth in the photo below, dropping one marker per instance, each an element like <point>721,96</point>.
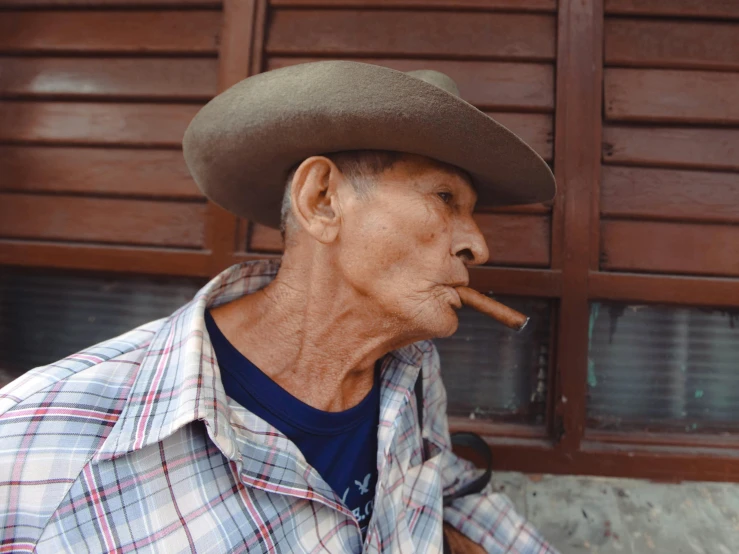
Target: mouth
<point>456,300</point>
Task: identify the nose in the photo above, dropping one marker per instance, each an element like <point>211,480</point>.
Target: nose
<point>470,244</point>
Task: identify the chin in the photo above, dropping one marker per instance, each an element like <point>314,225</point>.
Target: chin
<point>445,326</point>
<point>434,323</point>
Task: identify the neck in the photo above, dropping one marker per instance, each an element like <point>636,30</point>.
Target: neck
<point>313,335</point>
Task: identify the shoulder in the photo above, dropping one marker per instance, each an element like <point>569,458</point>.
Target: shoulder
<point>94,370</point>
<point>54,418</point>
<point>68,407</point>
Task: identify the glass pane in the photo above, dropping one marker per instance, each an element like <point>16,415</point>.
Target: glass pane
<point>491,372</point>
<point>45,317</point>
<point>663,368</point>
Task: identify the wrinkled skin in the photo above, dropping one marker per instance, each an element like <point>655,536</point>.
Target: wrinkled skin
<point>361,276</point>
<point>409,244</point>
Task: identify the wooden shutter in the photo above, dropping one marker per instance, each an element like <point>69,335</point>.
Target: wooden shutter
<point>95,101</point>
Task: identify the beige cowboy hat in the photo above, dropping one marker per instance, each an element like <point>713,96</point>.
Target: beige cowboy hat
<point>241,146</point>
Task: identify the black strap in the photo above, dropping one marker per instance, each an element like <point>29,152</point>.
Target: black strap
<point>418,390</point>
<point>476,443</point>
<point>473,441</point>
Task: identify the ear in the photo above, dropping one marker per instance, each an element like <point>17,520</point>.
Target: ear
<point>315,200</point>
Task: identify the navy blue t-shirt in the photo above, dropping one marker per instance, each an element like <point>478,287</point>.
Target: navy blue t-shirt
<point>341,446</point>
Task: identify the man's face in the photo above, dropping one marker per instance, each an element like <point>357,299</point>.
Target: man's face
<point>407,245</point>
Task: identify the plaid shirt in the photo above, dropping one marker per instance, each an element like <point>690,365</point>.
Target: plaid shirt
<point>133,445</point>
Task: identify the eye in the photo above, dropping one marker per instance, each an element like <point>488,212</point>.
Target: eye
<point>445,196</point>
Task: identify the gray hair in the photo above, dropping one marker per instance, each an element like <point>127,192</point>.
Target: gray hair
<point>359,166</point>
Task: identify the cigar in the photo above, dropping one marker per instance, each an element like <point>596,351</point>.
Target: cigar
<point>492,308</point>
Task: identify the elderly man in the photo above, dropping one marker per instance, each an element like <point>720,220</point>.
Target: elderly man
<point>279,410</point>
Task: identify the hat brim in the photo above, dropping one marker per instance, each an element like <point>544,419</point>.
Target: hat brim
<point>241,146</point>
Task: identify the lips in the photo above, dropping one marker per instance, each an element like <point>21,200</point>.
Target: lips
<point>463,282</point>
<point>456,300</point>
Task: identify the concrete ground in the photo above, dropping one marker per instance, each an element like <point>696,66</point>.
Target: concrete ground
<point>627,516</point>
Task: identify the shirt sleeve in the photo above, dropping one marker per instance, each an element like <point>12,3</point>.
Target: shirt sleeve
<point>487,518</point>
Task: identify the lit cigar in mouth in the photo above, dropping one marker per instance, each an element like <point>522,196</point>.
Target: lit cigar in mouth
<point>492,308</point>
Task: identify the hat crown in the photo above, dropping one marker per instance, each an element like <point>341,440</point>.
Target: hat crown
<point>242,144</point>
<point>437,79</point>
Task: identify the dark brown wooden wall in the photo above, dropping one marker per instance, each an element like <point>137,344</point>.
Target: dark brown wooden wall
<point>95,103</point>
<point>669,191</point>
<point>96,98</point>
<point>633,102</point>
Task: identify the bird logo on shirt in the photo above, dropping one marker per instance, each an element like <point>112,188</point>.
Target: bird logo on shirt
<point>364,486</point>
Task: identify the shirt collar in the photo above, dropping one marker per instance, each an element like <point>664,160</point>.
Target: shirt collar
<point>178,380</point>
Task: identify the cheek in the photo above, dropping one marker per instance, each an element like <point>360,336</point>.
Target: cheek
<point>431,225</point>
<point>382,243</point>
<point>434,235</point>
<point>432,239</point>
<point>396,251</point>
<point>415,241</point>
<point>419,239</point>
<point>370,249</point>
